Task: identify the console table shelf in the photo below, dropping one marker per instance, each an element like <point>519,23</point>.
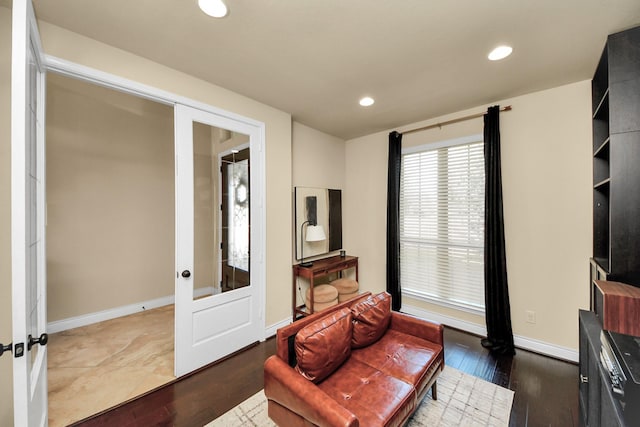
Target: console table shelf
<point>320,268</point>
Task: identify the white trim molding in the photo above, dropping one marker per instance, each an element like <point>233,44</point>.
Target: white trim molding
<point>525,343</point>
<point>111,313</point>
<point>271,330</point>
<point>114,313</point>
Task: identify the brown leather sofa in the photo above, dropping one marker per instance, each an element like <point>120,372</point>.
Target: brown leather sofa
<point>355,364</point>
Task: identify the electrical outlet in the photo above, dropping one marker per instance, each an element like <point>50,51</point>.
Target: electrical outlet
<point>531,316</point>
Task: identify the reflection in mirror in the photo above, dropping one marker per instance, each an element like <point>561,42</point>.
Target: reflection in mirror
<point>221,210</point>
<point>319,207</point>
<point>235,220</point>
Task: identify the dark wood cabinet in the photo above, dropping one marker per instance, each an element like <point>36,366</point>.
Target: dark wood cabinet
<point>616,153</point>
<point>589,378</point>
<point>598,406</point>
<point>616,230</point>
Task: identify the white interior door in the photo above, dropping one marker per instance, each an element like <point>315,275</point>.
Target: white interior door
<point>214,319</point>
<point>28,219</point>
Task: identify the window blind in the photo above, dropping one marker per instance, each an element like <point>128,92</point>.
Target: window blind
<point>442,224</point>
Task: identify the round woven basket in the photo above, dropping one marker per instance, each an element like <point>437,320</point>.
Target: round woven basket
<point>347,288</point>
<point>324,296</point>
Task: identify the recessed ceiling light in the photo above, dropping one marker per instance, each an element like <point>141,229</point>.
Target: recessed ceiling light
<point>213,8</point>
<point>367,101</point>
<point>500,52</point>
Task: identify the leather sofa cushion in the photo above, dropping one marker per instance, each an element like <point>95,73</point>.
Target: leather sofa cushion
<point>371,319</point>
<point>376,398</point>
<point>402,356</point>
<point>324,345</point>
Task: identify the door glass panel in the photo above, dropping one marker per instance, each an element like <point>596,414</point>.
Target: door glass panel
<point>32,188</point>
<point>234,264</point>
<point>221,210</point>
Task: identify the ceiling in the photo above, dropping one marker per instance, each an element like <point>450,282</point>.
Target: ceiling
<point>314,59</point>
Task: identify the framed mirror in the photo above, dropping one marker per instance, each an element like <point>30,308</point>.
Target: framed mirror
<point>320,209</point>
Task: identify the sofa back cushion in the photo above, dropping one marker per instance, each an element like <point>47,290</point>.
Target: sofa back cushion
<point>371,319</point>
<point>322,346</point>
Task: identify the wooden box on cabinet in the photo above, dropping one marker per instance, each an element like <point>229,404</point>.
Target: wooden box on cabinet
<point>618,307</point>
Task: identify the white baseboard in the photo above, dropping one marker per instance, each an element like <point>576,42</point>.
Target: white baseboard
<point>553,350</point>
<point>112,313</point>
<point>271,330</point>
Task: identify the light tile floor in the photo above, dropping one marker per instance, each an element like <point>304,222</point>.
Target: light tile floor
<point>95,367</point>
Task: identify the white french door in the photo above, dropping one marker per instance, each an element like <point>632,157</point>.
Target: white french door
<point>214,319</point>
<point>28,257</point>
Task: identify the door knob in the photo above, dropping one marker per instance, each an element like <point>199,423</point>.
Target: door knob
<point>3,348</point>
<point>44,338</point>
<point>186,274</point>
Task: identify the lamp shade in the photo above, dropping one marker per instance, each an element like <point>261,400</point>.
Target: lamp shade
<point>315,233</point>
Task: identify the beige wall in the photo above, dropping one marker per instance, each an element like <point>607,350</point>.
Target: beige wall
<point>318,160</point>
<point>110,199</point>
<point>6,374</point>
<point>73,47</point>
<point>546,169</point>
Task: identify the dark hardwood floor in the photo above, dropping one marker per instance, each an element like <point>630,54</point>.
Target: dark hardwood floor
<point>546,389</point>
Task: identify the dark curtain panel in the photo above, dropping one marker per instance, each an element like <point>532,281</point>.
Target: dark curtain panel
<point>393,220</point>
<point>496,293</point>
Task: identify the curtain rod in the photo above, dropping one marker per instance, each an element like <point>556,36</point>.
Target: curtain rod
<point>449,122</point>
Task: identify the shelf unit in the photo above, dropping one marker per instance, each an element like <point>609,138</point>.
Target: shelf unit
<point>616,224</point>
<point>320,268</point>
<point>616,156</point>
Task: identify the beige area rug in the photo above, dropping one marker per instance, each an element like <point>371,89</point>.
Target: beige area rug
<point>463,400</point>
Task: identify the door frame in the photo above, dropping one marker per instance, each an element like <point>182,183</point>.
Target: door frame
<point>111,81</point>
<point>29,373</point>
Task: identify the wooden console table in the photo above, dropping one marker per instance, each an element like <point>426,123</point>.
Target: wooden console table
<point>320,268</point>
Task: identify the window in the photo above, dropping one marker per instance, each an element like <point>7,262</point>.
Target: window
<point>442,223</point>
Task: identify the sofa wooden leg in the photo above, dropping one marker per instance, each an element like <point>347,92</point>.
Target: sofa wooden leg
<point>434,391</point>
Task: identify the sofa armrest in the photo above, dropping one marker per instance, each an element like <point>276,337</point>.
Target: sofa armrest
<point>421,328</point>
<point>287,387</point>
